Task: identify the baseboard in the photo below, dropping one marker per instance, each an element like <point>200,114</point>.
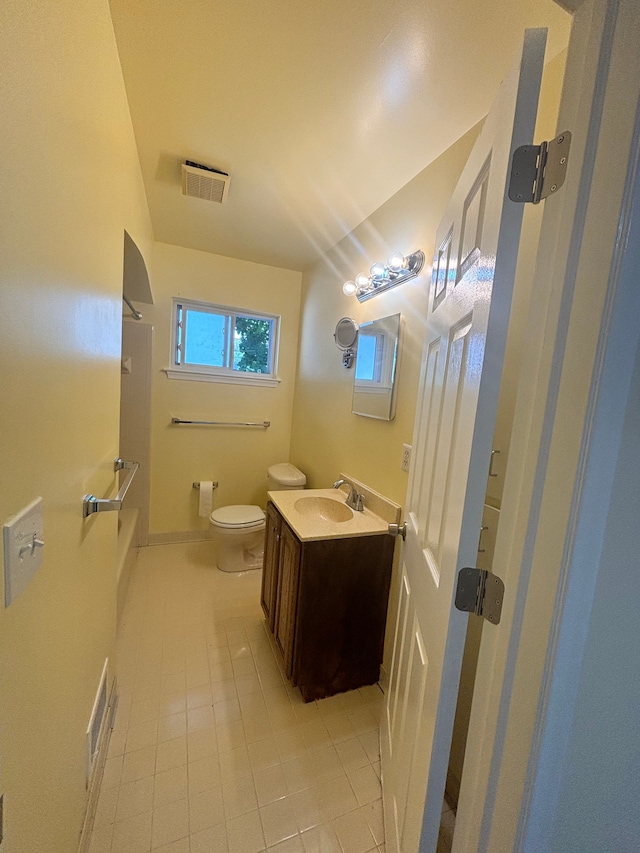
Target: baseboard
<point>384,679</point>
<point>96,779</point>
<point>178,536</point>
<point>123,581</point>
<point>452,789</point>
<point>128,546</point>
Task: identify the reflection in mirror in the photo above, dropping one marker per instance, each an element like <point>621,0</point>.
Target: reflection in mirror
<point>376,362</point>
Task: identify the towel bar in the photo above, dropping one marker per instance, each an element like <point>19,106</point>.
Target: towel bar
<point>263,424</point>
<point>91,504</point>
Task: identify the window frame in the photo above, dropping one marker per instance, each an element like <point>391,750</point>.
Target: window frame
<point>224,374</point>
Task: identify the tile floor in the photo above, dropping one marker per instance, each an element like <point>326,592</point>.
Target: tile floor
<point>212,751</point>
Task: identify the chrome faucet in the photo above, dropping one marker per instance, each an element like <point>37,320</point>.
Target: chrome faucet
<point>354,500</point>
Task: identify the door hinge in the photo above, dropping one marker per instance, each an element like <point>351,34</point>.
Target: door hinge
<point>538,171</point>
<point>480,592</point>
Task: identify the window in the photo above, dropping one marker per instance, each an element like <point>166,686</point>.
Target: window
<point>220,344</point>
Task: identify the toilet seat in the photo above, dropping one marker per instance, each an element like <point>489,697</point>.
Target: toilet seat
<point>240,517</point>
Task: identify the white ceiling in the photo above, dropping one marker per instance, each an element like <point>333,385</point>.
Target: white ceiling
<point>318,109</point>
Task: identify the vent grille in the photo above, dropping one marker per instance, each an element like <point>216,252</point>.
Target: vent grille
<point>96,721</point>
<point>204,182</point>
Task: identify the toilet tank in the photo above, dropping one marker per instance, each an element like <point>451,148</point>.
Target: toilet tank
<point>284,476</point>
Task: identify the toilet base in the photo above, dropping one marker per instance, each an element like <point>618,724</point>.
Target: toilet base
<point>239,550</point>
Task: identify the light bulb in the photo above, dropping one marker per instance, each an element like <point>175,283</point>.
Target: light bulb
<point>362,280</point>
<point>378,270</point>
<point>396,262</point>
<point>349,288</point>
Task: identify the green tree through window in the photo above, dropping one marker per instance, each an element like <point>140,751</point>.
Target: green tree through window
<point>251,347</point>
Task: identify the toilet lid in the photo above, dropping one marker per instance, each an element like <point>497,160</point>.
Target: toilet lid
<point>237,516</point>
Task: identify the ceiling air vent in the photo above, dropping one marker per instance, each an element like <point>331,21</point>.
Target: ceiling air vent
<point>204,182</point>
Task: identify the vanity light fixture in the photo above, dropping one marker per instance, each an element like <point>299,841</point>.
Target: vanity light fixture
<point>398,269</point>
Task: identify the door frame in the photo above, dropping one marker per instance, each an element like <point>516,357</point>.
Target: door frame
<point>567,427</point>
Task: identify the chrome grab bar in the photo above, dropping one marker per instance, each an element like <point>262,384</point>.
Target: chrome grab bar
<point>264,424</point>
<point>91,504</point>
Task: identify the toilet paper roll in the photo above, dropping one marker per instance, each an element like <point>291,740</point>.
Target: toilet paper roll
<point>206,498</point>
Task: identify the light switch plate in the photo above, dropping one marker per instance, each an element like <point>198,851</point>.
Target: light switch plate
<point>23,542</point>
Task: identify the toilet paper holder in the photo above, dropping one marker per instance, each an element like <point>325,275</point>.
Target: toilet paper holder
<point>196,485</point>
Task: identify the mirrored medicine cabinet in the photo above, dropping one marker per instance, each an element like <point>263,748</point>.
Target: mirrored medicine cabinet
<point>374,382</point>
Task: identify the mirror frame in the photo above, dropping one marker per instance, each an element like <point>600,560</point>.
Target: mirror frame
<point>346,333</point>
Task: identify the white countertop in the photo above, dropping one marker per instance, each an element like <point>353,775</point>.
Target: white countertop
<point>311,527</point>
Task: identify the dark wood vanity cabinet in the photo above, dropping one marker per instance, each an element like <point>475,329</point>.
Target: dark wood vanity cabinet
<point>326,605</point>
<point>270,564</point>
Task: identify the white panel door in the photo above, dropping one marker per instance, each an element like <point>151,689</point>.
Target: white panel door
<point>554,733</point>
<point>469,305</point>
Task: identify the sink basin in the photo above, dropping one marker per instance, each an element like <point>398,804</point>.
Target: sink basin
<point>325,509</point>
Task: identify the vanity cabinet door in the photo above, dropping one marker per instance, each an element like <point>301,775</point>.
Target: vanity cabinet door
<point>341,614</point>
<point>269,593</point>
<point>287,596</point>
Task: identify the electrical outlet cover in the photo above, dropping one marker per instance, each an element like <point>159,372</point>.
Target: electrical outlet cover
<point>405,462</point>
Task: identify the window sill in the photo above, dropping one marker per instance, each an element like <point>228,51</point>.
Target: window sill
<point>364,388</point>
<point>225,378</point>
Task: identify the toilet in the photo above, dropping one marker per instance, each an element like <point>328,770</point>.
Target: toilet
<point>238,530</point>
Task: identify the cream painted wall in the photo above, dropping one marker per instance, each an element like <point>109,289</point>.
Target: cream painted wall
<point>237,457</point>
<point>326,437</point>
<point>70,185</point>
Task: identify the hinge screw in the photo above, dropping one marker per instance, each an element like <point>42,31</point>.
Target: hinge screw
<point>563,160</point>
<point>560,139</point>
